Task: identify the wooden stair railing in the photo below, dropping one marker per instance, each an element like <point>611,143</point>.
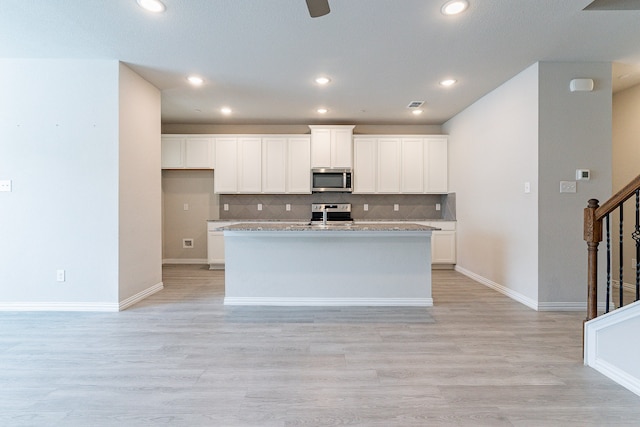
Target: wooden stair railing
<point>593,230</point>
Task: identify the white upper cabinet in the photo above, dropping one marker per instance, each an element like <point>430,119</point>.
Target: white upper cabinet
<point>331,146</point>
<point>275,164</point>
<point>250,165</point>
<point>389,165</point>
<point>436,165</point>
<point>299,165</point>
<point>412,163</point>
<point>187,152</point>
<point>364,165</point>
<point>225,176</point>
<point>400,164</point>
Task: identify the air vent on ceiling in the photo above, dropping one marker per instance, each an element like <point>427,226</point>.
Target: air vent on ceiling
<point>415,104</point>
<point>614,5</point>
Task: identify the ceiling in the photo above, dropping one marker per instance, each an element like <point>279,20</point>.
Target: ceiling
<point>260,57</point>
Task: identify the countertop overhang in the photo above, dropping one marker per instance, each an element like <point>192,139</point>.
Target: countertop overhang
<point>305,227</point>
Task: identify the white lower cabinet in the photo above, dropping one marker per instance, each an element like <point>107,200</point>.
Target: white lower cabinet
<point>443,242</point>
<point>215,244</point>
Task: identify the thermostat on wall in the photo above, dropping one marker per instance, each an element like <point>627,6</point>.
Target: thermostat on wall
<point>583,174</point>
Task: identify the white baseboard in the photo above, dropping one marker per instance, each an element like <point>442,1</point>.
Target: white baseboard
<point>185,261</point>
<point>59,306</point>
<point>377,302</point>
<point>140,296</point>
<point>538,306</point>
<point>500,288</point>
<point>81,306</point>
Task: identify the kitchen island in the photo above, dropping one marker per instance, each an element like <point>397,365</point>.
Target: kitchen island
<point>299,264</point>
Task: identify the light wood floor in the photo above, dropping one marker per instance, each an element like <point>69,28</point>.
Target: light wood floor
<point>181,358</point>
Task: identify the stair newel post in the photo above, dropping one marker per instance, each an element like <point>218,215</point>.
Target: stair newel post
<point>593,236</point>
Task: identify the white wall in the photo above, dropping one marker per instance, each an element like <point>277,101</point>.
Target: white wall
<point>59,146</point>
<point>626,166</point>
<point>80,141</point>
<point>493,151</point>
<point>140,208</point>
<point>531,129</point>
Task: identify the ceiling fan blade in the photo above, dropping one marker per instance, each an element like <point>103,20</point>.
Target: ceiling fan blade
<point>318,7</point>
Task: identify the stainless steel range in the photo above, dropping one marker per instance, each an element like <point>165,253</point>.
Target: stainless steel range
<point>331,214</point>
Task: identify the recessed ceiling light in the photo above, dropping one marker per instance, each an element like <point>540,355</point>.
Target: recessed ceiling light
<point>322,110</point>
<point>454,7</point>
<point>155,6</point>
<point>416,112</point>
<point>195,80</point>
<point>448,82</point>
<point>322,80</point>
<point>225,110</point>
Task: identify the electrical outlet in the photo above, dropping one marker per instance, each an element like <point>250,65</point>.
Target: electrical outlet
<point>366,207</point>
<point>438,207</point>
<point>187,243</point>
<point>225,206</point>
<point>186,206</point>
<point>60,276</point>
<point>259,206</point>
<point>5,185</point>
<point>396,207</point>
<point>567,186</point>
<point>287,207</point>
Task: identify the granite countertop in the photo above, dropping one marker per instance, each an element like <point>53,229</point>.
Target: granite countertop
<point>304,226</point>
<point>306,220</point>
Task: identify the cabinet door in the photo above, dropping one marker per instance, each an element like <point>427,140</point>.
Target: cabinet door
<point>215,248</point>
<point>364,168</point>
<point>412,165</point>
<point>250,165</point>
<point>388,165</point>
<point>320,148</point>
<point>226,171</point>
<point>443,247</point>
<point>436,165</point>
<point>299,166</point>
<point>341,148</point>
<point>198,153</point>
<point>172,152</point>
<point>274,165</point>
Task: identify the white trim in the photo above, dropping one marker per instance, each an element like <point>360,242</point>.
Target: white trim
<point>81,306</point>
<point>565,306</point>
<point>59,306</point>
<point>379,302</point>
<point>591,331</point>
<point>185,261</point>
<point>140,296</point>
<point>498,287</point>
<point>618,375</point>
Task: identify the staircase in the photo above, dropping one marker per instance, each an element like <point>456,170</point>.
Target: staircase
<point>610,339</point>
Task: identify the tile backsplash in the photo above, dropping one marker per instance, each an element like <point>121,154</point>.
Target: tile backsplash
<point>411,207</point>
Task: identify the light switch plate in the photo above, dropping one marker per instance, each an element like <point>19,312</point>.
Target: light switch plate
<point>567,186</point>
<point>5,185</point>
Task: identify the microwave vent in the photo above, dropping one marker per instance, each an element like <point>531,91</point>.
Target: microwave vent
<point>415,104</point>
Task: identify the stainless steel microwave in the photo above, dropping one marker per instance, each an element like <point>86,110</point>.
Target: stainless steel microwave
<point>336,180</point>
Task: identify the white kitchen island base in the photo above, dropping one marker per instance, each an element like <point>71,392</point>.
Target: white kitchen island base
<point>328,267</point>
